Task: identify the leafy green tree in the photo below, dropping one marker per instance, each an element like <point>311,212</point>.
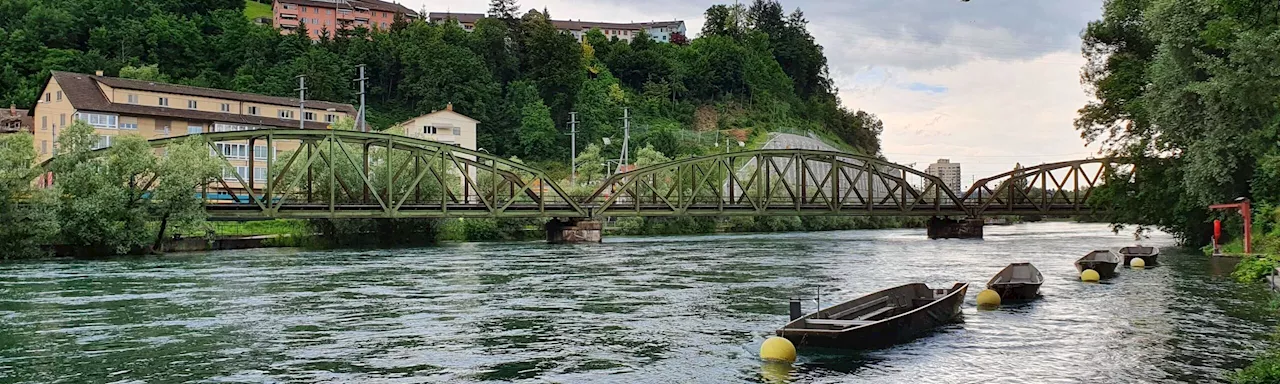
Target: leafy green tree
<point>173,200</point>
<point>538,134</point>
<point>590,165</point>
<point>29,214</point>
<point>101,207</point>
<point>145,73</point>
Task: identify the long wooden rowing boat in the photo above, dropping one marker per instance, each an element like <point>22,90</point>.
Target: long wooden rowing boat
<point>1104,262</point>
<point>878,320</point>
<point>1016,282</point>
<point>1147,254</point>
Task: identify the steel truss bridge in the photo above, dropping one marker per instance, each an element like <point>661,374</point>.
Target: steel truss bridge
<point>347,174</point>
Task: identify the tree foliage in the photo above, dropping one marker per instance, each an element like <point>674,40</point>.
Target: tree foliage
<point>1193,83</point>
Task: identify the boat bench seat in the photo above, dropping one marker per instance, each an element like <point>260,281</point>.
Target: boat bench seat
<point>877,312</point>
<point>865,306</point>
<point>838,323</point>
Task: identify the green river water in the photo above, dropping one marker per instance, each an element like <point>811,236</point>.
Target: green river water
<point>631,310</point>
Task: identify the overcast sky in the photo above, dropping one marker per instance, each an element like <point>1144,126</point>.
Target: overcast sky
<point>986,83</point>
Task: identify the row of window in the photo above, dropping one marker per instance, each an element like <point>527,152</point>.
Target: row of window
<point>329,11</point>
<point>226,107</point>
<point>234,151</point>
<point>432,130</point>
<point>48,96</point>
<point>259,173</point>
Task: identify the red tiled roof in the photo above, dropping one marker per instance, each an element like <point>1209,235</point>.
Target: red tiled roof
<point>83,93</point>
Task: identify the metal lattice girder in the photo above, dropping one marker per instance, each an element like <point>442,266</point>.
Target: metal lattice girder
<point>348,174</point>
<point>775,182</point>
<point>1053,188</point>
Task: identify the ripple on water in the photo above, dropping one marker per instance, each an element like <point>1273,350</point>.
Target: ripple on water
<point>674,309</point>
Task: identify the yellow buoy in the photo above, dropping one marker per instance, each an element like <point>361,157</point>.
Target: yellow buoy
<point>1137,262</point>
<point>1090,275</point>
<point>988,299</point>
<point>778,349</point>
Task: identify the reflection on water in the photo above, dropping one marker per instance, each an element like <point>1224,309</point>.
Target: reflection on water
<point>685,309</point>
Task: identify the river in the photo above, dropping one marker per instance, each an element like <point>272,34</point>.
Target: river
<point>651,310</point>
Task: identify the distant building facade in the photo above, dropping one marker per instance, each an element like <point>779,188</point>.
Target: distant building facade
<point>116,106</point>
<point>949,173</point>
<point>332,15</point>
<point>445,126</point>
<point>14,120</point>
<point>660,31</point>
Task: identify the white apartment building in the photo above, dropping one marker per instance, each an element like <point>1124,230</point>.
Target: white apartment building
<point>949,173</point>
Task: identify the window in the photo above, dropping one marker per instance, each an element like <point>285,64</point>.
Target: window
<point>44,123</point>
<point>44,147</point>
<point>191,104</point>
<point>194,129</point>
<point>133,99</point>
<point>457,131</point>
<point>330,118</point>
<point>286,114</point>
<point>253,110</point>
<point>226,107</point>
<point>103,142</point>
<point>430,130</point>
<point>233,151</point>
<point>224,127</point>
<point>133,125</point>
<point>304,8</point>
<point>62,120</point>
<point>259,152</point>
<point>317,10</point>
<point>328,11</point>
<point>59,95</point>
<point>243,171</point>
<point>99,120</point>
<point>48,97</point>
<point>260,174</point>
<point>164,102</point>
<point>310,116</point>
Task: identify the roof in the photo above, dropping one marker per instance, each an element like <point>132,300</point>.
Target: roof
<point>448,110</point>
<point>471,18</point>
<point>84,94</point>
<point>10,115</point>
<point>468,18</point>
<point>376,5</point>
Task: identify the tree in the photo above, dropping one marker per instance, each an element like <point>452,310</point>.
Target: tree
<point>538,134</point>
<point>101,208</point>
<point>145,73</point>
<point>28,213</point>
<point>590,165</point>
<point>503,9</point>
<point>184,167</point>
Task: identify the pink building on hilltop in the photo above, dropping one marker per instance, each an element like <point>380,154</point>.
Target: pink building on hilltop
<point>331,15</point>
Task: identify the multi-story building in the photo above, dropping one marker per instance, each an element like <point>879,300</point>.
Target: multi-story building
<point>14,120</point>
<point>116,106</point>
<point>658,30</point>
<point>949,173</point>
<point>332,15</point>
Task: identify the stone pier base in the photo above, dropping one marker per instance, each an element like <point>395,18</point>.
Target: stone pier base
<point>968,228</point>
<point>573,231</point>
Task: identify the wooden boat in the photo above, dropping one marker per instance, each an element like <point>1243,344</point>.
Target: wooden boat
<point>1147,254</point>
<point>1018,281</point>
<point>878,320</point>
<point>1104,262</point>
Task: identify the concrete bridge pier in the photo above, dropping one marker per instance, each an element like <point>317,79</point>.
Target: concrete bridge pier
<point>943,228</point>
<point>574,231</point>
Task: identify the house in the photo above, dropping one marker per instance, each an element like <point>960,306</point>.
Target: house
<point>116,106</point>
<point>660,31</point>
<point>14,120</point>
<point>331,15</point>
<point>445,126</point>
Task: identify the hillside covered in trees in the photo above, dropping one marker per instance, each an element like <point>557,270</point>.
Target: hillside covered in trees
<point>752,70</point>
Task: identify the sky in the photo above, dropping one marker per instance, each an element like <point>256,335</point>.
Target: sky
<point>985,83</point>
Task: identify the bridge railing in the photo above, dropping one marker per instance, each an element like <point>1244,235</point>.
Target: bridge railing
<point>1052,188</point>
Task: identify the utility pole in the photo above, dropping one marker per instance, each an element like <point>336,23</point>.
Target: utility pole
<point>360,123</point>
<point>573,147</point>
<point>626,138</point>
<point>302,101</point>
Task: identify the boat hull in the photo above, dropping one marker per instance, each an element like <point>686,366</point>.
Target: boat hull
<point>1105,269</point>
<point>1016,291</point>
<point>886,333</point>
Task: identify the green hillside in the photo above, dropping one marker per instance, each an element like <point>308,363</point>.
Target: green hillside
<point>253,10</point>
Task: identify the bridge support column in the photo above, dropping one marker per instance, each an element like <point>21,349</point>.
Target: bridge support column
<point>573,231</point>
<point>967,228</point>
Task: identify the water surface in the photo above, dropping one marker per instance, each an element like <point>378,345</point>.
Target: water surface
<point>653,310</point>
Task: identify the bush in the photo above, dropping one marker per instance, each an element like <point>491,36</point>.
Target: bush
<point>1264,370</point>
<point>1254,268</point>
